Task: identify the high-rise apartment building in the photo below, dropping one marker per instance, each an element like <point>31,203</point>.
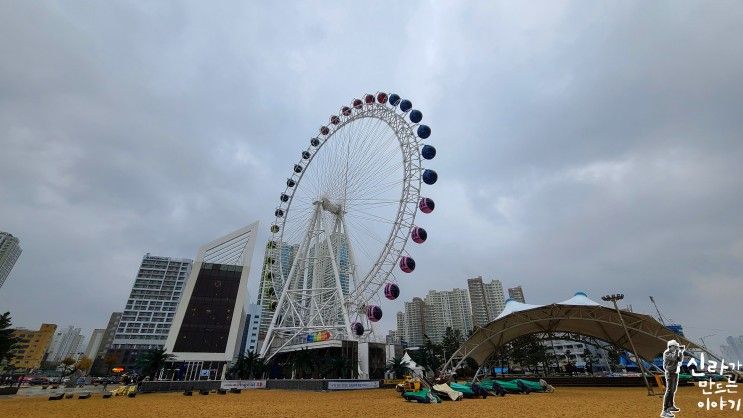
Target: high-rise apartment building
<point>107,340</point>
<point>401,328</point>
<point>29,352</point>
<point>517,294</point>
<point>494,299</point>
<point>150,308</point>
<point>67,342</point>
<point>10,250</point>
<point>94,343</point>
<point>252,327</point>
<point>415,322</point>
<point>486,299</point>
<point>476,289</point>
<point>447,309</point>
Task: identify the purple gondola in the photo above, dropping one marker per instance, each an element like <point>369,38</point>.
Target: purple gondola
<point>418,235</point>
<point>407,264</point>
<point>391,291</point>
<point>374,313</point>
<point>426,205</point>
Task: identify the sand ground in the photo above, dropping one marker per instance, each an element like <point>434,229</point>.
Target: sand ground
<point>565,402</point>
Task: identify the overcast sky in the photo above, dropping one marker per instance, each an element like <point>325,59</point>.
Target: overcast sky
<point>590,146</point>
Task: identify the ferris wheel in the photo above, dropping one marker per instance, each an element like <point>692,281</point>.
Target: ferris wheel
<point>343,222</point>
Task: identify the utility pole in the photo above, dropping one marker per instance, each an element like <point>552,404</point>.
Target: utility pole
<point>614,298</point>
<point>660,317</point>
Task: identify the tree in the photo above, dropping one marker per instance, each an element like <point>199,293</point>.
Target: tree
<point>249,366</point>
<point>398,367</point>
<point>340,366</point>
<point>83,364</point>
<point>614,354</point>
<point>151,362</point>
<point>590,358</point>
<point>451,342</point>
<point>433,353</point>
<point>110,361</point>
<point>303,363</point>
<point>529,352</point>
<point>68,366</point>
<point>7,341</point>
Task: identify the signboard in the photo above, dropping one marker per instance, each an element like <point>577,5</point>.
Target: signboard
<point>318,336</point>
<point>353,384</point>
<point>204,373</point>
<point>243,384</point>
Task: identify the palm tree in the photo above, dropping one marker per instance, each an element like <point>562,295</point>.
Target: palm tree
<point>249,366</point>
<point>399,367</point>
<point>152,361</point>
<point>340,366</point>
<point>302,363</point>
<point>7,341</point>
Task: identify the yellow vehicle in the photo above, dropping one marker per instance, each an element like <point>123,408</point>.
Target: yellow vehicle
<point>409,385</point>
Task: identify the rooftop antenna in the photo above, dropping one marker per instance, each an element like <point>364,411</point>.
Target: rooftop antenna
<point>660,317</point>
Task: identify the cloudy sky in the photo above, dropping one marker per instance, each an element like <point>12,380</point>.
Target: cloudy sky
<point>590,146</point>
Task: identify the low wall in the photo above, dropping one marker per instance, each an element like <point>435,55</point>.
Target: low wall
<point>586,381</point>
<point>179,385</point>
<point>286,384</point>
<point>296,384</point>
<point>10,390</point>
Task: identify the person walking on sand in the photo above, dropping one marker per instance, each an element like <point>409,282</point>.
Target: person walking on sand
<point>671,364</point>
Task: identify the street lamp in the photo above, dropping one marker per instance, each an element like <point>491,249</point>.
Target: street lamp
<point>614,298</point>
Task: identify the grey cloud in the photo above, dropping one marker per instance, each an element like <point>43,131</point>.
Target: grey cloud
<point>581,146</point>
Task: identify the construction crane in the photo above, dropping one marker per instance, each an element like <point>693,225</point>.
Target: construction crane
<point>660,317</point>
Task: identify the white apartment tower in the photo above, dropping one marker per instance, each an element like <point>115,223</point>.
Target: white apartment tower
<point>517,294</point>
<point>494,299</point>
<point>415,322</point>
<point>401,328</point>
<point>447,309</point>
<point>67,342</point>
<point>151,306</point>
<point>486,299</point>
<point>10,250</point>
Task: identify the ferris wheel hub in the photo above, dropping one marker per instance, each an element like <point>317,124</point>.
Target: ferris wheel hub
<point>326,204</point>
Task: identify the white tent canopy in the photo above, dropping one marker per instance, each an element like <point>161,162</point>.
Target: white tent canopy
<point>409,363</point>
<point>579,315</point>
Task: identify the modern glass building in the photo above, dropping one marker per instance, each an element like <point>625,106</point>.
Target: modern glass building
<point>209,322</point>
<point>10,250</point>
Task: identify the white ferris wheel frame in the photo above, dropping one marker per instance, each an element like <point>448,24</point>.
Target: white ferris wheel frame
<point>367,287</point>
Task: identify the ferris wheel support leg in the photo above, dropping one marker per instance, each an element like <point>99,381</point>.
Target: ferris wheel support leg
<point>338,288</point>
<point>352,256</point>
<point>268,341</point>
